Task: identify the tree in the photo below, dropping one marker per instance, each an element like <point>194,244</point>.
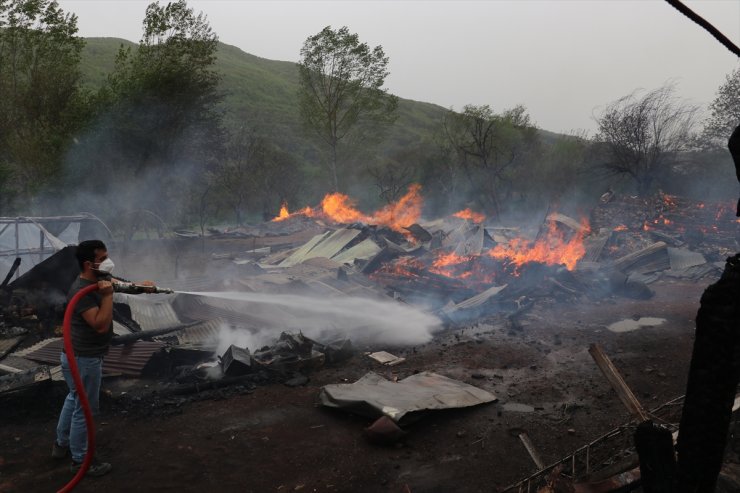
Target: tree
<point>725,110</point>
<point>489,147</point>
<point>162,124</point>
<point>340,89</point>
<point>41,103</point>
<point>255,174</point>
<point>393,175</point>
<point>643,137</point>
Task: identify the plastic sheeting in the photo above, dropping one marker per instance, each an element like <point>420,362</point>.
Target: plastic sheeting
<point>28,238</point>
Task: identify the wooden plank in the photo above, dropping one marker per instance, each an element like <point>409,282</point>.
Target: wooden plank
<point>10,369</point>
<point>617,382</point>
<point>532,451</point>
<point>566,220</point>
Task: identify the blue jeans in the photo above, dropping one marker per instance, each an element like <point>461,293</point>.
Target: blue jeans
<point>71,429</point>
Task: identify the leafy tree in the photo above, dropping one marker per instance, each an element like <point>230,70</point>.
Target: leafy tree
<point>254,174</point>
<point>642,137</point>
<point>161,119</point>
<point>489,147</point>
<point>341,92</point>
<point>559,173</point>
<point>41,103</point>
<point>725,110</point>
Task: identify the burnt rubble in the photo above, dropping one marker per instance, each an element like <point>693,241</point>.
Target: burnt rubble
<point>169,345</point>
<point>449,267</point>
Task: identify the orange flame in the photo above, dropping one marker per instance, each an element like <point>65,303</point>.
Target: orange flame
<point>340,208</point>
<point>405,212</point>
<point>621,227</point>
<point>284,214</point>
<point>404,266</point>
<point>551,249</point>
<point>468,214</point>
<point>451,258</point>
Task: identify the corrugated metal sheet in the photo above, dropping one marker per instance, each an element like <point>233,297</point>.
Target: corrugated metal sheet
<point>151,312</point>
<point>126,360</point>
<point>299,255</point>
<point>363,250</point>
<point>682,258</point>
<point>232,312</point>
<point>120,329</point>
<point>39,345</point>
<point>203,335</point>
<point>333,244</point>
<point>7,345</point>
<point>191,284</point>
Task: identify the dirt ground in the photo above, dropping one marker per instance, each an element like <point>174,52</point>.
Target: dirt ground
<point>275,438</point>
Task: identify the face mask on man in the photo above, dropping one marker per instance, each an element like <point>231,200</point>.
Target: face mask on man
<point>105,267</point>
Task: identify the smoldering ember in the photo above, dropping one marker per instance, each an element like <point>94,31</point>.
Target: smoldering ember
<point>333,350</point>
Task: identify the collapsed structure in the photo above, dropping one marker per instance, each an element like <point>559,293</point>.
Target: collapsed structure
<point>456,269</point>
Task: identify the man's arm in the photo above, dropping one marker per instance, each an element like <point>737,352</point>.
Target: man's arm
<point>100,318</point>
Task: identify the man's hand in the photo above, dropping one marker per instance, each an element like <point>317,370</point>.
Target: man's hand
<point>105,288</point>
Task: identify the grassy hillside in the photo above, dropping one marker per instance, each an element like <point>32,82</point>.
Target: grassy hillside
<point>261,93</point>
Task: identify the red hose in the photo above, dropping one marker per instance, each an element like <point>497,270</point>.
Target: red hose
<point>89,423</point>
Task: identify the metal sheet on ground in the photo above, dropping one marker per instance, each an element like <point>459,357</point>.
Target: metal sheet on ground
<point>374,396</point>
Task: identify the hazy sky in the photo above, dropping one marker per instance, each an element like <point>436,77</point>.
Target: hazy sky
<point>562,59</point>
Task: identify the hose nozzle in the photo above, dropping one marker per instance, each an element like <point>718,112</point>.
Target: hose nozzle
<point>132,288</point>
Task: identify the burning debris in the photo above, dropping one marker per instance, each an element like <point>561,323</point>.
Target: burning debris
<point>457,268</point>
<point>385,280</point>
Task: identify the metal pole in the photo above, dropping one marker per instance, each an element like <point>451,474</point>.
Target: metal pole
<point>41,245</point>
<point>17,247</point>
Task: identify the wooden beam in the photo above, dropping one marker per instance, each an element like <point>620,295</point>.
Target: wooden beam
<point>532,451</point>
<point>615,379</point>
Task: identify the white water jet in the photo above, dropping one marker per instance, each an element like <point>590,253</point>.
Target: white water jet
<point>363,320</point>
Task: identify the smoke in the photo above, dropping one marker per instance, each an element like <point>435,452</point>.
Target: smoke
<point>364,321</point>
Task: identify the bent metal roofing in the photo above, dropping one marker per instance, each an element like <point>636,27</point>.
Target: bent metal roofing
<point>129,359</point>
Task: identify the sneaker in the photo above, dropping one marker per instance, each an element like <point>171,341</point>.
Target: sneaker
<point>59,451</point>
<point>96,468</point>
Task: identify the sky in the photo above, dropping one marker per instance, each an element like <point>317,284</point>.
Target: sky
<point>563,60</point>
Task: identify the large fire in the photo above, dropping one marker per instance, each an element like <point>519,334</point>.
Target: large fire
<point>552,248</point>
<point>341,209</point>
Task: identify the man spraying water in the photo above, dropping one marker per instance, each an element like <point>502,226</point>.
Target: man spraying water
<point>91,333</point>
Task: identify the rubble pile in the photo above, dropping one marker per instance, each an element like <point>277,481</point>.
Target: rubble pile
<point>457,268</point>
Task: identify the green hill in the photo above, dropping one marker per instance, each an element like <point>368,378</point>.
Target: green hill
<point>261,93</point>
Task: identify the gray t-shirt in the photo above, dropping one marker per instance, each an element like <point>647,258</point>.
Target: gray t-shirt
<point>85,340</point>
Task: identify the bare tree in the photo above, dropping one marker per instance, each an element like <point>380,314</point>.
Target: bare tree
<point>393,176</point>
<point>642,137</point>
<point>489,146</point>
